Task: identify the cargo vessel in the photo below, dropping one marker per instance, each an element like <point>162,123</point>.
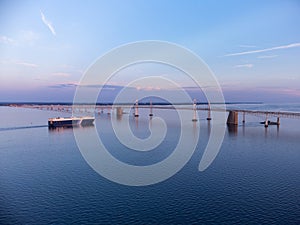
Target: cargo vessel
<point>70,121</point>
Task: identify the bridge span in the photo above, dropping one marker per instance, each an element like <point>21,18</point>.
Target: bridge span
<point>232,113</point>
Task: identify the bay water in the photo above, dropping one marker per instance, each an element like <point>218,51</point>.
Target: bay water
<point>44,178</point>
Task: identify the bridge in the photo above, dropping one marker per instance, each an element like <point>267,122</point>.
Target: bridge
<point>97,109</point>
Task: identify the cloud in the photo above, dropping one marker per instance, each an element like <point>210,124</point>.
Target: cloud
<point>266,56</point>
<point>27,64</point>
<point>244,66</point>
<point>294,45</point>
<point>23,37</point>
<point>281,90</point>
<point>6,40</point>
<point>60,74</point>
<point>66,85</point>
<point>148,88</point>
<point>21,63</point>
<point>48,23</point>
<point>105,87</point>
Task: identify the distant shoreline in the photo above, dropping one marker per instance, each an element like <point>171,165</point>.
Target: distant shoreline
<point>110,103</point>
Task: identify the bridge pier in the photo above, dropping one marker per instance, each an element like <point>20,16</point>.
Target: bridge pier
<point>278,121</point>
<point>244,117</point>
<point>266,121</point>
<point>195,112</point>
<point>233,118</point>
<point>119,111</point>
<point>151,109</point>
<point>136,111</point>
<point>208,113</point>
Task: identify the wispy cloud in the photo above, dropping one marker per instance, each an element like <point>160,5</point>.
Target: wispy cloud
<point>48,23</point>
<point>294,45</point>
<point>247,46</point>
<point>22,38</point>
<point>61,74</point>
<point>106,87</point>
<point>244,66</point>
<point>66,85</point>
<point>267,56</point>
<point>148,88</point>
<point>27,64</point>
<point>7,40</point>
<point>281,90</point>
<point>21,63</point>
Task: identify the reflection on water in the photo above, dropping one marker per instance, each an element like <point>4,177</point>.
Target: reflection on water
<point>21,127</point>
<point>232,129</point>
<point>68,128</point>
<point>44,178</point>
<point>119,116</point>
<point>136,119</point>
<point>60,129</point>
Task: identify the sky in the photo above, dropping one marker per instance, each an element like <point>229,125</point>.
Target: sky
<point>252,47</point>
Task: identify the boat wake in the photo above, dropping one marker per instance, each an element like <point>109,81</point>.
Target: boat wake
<point>19,128</point>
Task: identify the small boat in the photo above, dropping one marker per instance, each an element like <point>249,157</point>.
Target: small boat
<point>70,121</point>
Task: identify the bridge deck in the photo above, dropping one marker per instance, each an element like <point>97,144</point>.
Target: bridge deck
<point>69,108</point>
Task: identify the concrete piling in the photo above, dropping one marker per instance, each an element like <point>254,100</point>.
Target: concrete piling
<point>209,112</point>
<point>136,110</point>
<point>233,118</point>
<point>266,121</point>
<point>194,111</point>
<point>151,109</point>
<point>119,111</point>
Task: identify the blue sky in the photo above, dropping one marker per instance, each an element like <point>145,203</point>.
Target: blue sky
<point>253,47</point>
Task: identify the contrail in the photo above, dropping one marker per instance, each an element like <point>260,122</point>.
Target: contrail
<point>48,24</point>
<point>294,45</point>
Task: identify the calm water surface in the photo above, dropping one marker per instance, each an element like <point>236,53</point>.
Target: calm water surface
<point>44,178</point>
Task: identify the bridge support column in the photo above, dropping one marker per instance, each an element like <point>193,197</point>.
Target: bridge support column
<point>151,109</point>
<point>209,113</point>
<point>195,112</point>
<point>244,117</point>
<point>119,111</point>
<point>266,121</point>
<point>233,118</point>
<point>278,121</point>
<point>136,110</point>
